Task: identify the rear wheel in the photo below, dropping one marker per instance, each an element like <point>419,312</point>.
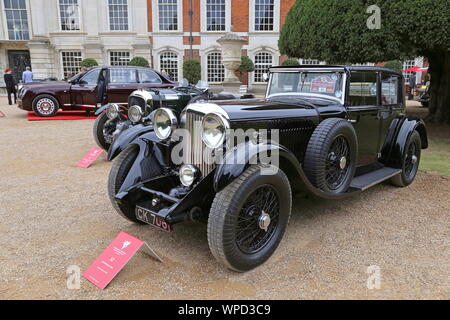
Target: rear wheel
<point>45,106</point>
<point>410,161</point>
<point>330,159</point>
<point>248,219</point>
<point>119,171</point>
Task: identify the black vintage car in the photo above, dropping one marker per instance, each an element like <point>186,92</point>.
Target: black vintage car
<point>332,131</point>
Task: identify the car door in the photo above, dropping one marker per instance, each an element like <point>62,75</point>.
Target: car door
<point>84,92</point>
<point>392,102</point>
<point>362,108</point>
<point>150,79</point>
<point>121,82</point>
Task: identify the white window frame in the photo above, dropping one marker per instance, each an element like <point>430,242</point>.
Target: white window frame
<point>5,22</point>
<point>130,25</point>
<point>406,65</point>
<point>302,62</point>
<point>155,20</point>
<point>276,17</point>
<point>80,24</point>
<point>62,60</point>
<point>203,20</point>
<point>177,56</point>
<point>118,51</point>
<point>254,61</point>
<point>206,66</point>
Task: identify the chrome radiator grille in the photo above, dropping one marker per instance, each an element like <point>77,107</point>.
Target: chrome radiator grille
<point>195,148</point>
<point>136,101</point>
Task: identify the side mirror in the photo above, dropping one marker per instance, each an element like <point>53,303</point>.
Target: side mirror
<point>265,77</point>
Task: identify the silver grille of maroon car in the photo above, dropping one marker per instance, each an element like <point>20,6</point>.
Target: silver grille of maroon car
<point>195,148</point>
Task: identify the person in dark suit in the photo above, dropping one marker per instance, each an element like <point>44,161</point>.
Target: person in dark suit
<point>10,85</point>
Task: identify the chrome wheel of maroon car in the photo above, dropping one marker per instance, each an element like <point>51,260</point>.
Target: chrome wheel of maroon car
<point>45,106</point>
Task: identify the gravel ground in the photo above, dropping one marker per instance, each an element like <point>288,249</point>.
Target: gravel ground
<point>54,214</point>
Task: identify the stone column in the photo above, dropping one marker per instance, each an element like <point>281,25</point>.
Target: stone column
<point>42,53</point>
<point>231,57</point>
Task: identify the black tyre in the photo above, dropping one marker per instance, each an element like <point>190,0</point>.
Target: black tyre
<point>45,106</point>
<point>117,176</point>
<point>99,131</point>
<point>410,161</point>
<point>330,159</point>
<point>248,219</point>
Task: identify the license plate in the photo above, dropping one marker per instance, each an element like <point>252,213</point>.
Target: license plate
<point>150,218</point>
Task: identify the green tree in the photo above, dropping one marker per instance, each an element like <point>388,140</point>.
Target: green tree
<point>192,70</point>
<point>139,62</point>
<point>291,62</point>
<point>394,64</point>
<point>88,63</point>
<point>247,65</point>
<point>338,30</point>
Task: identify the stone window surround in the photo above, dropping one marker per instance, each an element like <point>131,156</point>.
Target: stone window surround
<point>155,20</point>
<point>203,26</point>
<point>276,18</point>
<point>80,19</point>
<point>130,21</point>
<point>5,23</point>
<point>118,53</point>
<point>157,58</point>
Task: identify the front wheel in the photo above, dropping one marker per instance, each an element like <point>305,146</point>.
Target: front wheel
<point>45,106</point>
<point>248,218</point>
<point>410,161</point>
<point>101,129</point>
<point>119,171</point>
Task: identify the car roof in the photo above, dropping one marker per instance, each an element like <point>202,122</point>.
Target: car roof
<point>120,67</point>
<point>345,67</point>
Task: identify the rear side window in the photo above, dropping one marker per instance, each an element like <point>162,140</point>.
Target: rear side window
<point>363,89</point>
<point>148,76</point>
<point>91,77</point>
<point>122,75</point>
<point>390,89</point>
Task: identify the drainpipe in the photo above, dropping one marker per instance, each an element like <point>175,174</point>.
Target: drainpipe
<point>191,38</point>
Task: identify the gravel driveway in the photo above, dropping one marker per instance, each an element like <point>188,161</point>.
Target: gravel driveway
<point>54,214</point>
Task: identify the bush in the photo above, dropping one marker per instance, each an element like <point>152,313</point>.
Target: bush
<point>291,62</point>
<point>89,63</point>
<point>192,70</point>
<point>394,64</point>
<point>139,62</point>
<point>247,65</point>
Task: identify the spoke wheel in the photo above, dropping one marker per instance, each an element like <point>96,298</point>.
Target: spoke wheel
<point>257,219</point>
<point>337,163</point>
<point>410,161</point>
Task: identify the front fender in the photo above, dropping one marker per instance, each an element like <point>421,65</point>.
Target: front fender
<point>397,142</point>
<point>148,164</point>
<point>128,137</point>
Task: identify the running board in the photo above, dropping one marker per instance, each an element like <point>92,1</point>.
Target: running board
<point>368,180</point>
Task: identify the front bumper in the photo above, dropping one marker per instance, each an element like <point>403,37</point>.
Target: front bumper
<point>167,199</point>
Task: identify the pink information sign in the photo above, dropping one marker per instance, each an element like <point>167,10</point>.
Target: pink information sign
<point>114,258</point>
<point>88,159</point>
<point>2,114</point>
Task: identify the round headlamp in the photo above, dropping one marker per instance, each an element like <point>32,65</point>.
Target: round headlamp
<point>214,128</point>
<point>135,114</point>
<point>112,111</point>
<point>164,123</point>
<point>188,175</point>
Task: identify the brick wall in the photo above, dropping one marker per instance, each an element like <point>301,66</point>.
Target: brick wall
<point>285,6</point>
<point>240,16</point>
<point>195,17</point>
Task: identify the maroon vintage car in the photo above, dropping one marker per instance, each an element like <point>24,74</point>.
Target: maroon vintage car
<point>100,85</point>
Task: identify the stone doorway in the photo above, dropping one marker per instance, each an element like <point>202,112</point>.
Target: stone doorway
<point>18,61</point>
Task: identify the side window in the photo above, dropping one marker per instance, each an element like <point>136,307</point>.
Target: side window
<point>91,77</point>
<point>363,89</point>
<point>148,76</point>
<point>125,75</point>
<point>390,87</point>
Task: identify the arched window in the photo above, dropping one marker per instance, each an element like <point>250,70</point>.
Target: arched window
<point>216,70</point>
<point>263,61</point>
<point>168,61</point>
